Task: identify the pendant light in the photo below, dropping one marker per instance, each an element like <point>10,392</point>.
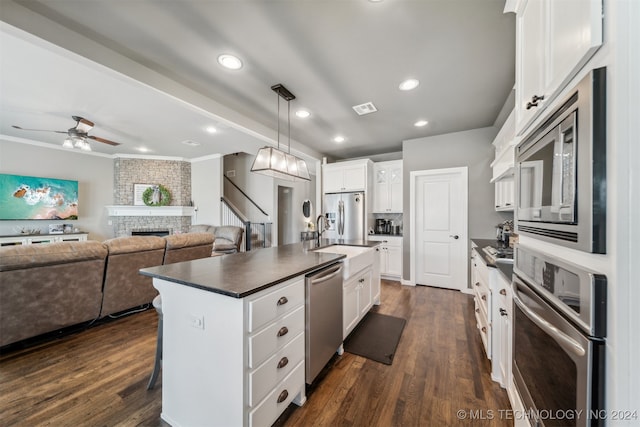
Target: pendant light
<point>275,162</point>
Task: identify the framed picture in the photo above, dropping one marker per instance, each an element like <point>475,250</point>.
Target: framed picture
<point>138,191</point>
<point>56,228</point>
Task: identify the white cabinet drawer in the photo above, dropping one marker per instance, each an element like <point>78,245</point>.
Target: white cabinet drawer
<point>271,372</point>
<point>277,401</point>
<point>483,328</point>
<point>275,336</point>
<point>267,307</point>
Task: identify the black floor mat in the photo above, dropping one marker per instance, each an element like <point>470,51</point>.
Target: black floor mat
<point>376,337</point>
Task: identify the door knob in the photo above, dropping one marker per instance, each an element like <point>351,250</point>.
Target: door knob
<point>455,236</point>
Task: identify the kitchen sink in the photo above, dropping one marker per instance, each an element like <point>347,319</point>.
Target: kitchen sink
<point>358,257</point>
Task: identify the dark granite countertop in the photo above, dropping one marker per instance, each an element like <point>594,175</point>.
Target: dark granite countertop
<point>505,268</point>
<point>242,274</point>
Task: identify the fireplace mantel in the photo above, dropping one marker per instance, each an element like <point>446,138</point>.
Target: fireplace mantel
<point>127,210</point>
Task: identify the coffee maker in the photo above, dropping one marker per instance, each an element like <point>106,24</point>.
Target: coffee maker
<point>381,226</point>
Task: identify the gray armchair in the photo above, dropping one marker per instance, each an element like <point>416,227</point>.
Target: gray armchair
<point>228,238</point>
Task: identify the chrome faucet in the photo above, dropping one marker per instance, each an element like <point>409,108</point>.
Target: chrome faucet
<point>321,222</point>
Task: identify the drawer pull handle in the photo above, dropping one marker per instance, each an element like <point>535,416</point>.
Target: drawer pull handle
<point>503,291</point>
<point>477,310</point>
<point>484,329</point>
<point>283,301</point>
<point>283,362</point>
<point>283,331</point>
<point>503,312</point>
<point>477,283</point>
<point>484,297</point>
<point>283,396</point>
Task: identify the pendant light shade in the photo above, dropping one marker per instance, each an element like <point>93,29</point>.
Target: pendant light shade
<point>276,163</point>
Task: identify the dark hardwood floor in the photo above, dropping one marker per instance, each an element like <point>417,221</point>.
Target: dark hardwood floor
<point>98,377</point>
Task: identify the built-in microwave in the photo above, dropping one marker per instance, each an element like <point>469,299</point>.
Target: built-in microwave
<point>561,171</point>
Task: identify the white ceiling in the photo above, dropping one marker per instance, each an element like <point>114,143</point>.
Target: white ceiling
<point>332,54</point>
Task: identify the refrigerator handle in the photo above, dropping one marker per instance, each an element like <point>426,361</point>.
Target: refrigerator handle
<point>340,218</point>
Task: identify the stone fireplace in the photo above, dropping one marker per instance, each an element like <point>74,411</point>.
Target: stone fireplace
<point>175,175</point>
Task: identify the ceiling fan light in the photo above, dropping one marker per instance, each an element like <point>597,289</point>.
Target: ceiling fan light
<point>85,146</point>
<point>67,143</point>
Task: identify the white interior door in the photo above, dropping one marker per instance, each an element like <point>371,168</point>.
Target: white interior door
<point>439,224</point>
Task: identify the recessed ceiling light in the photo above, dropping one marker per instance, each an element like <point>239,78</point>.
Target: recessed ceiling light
<point>211,129</point>
<point>143,149</point>
<point>229,61</point>
<point>420,123</point>
<point>339,139</point>
<point>303,114</point>
<point>409,84</point>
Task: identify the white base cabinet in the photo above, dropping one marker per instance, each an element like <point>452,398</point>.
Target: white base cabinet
<point>501,364</point>
<point>357,299</point>
<point>390,250</point>
<point>492,300</point>
<point>33,239</point>
<point>482,300</point>
<point>231,361</point>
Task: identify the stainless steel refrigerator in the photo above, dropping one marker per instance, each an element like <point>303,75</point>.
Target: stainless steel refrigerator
<point>347,216</point>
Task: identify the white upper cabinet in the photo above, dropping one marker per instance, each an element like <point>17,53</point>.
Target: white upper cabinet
<point>554,41</point>
<point>387,186</point>
<point>345,176</point>
<point>504,165</point>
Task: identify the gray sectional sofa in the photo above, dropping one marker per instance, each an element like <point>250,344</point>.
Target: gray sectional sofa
<point>47,287</point>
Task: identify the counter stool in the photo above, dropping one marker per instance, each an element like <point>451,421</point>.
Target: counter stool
<point>157,304</point>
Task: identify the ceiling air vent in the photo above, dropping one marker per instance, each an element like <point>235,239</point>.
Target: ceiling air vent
<point>366,108</point>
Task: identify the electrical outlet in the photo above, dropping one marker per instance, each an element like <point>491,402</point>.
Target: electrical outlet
<point>196,321</point>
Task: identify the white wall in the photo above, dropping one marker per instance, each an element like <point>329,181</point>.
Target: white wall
<point>472,149</point>
<point>93,172</point>
<point>206,189</point>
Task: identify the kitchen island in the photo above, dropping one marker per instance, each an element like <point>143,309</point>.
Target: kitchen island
<point>233,334</point>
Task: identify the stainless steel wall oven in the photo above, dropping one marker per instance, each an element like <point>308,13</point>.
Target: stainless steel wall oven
<point>558,340</point>
<point>561,171</point>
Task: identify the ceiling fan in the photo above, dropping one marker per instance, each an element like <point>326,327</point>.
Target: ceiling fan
<point>77,135</point>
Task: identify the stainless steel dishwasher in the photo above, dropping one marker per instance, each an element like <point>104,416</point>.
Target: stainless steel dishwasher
<point>323,315</point>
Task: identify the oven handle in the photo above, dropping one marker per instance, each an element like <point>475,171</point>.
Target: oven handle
<point>561,338</point>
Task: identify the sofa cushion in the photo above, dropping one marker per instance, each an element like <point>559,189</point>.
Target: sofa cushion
<point>202,228</point>
<point>29,256</point>
<point>124,245</point>
<point>229,232</point>
<point>176,241</point>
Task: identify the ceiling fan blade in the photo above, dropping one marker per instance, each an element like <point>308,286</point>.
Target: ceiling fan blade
<point>39,130</point>
<point>83,125</point>
<point>105,141</point>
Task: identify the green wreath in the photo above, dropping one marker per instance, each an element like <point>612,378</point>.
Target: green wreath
<point>164,196</point>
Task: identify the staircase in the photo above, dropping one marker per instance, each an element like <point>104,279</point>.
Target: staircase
<point>257,230</point>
